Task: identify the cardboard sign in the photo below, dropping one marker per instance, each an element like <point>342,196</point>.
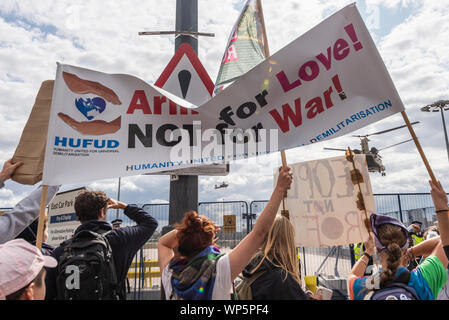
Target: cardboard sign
<point>62,221</point>
<point>229,223</point>
<point>322,202</point>
<point>31,147</point>
<point>325,84</point>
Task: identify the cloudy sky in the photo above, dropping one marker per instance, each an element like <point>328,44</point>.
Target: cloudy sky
<point>412,38</point>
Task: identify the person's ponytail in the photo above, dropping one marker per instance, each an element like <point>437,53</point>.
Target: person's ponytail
<point>393,239</point>
<point>393,261</point>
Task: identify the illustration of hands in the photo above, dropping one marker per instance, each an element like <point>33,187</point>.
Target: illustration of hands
<point>93,128</point>
<point>81,86</point>
<point>96,127</point>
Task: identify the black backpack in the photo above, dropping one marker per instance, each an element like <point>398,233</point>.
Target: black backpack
<point>398,290</point>
<point>86,269</point>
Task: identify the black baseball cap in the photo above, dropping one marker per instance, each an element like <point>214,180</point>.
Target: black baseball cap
<point>116,222</point>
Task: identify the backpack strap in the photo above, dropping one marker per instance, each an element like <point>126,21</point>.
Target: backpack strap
<point>254,277</point>
<point>116,286</point>
<point>249,280</point>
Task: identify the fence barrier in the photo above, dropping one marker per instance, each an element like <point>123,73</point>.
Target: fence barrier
<point>331,264</point>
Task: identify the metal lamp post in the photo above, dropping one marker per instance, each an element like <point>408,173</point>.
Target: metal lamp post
<point>440,106</point>
<point>183,189</point>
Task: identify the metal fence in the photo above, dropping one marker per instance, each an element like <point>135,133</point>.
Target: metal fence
<point>216,211</point>
<point>407,207</point>
<point>331,264</point>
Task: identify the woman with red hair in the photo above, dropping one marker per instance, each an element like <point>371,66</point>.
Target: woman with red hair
<point>198,271</point>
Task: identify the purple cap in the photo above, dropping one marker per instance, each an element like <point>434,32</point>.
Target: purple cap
<point>377,220</point>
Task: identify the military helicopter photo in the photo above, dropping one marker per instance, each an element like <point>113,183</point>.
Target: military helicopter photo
<point>373,158</point>
<point>222,185</point>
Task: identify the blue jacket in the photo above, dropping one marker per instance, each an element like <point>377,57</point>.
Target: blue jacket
<point>125,242</point>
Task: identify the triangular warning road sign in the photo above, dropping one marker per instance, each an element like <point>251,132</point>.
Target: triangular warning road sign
<point>185,77</point>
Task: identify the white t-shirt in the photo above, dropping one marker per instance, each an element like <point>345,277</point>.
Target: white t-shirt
<point>222,285</point>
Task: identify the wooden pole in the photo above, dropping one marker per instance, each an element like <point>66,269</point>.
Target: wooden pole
<point>40,226</point>
<point>267,55</point>
<point>357,178</point>
<point>284,211</point>
<point>264,31</point>
<point>418,146</point>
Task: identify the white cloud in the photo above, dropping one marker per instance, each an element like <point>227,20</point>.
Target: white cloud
<point>393,4</point>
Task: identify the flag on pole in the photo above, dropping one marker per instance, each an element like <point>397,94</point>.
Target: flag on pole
<point>246,46</point>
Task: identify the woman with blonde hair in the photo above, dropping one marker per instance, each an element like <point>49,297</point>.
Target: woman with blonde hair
<point>193,268</point>
<point>274,270</point>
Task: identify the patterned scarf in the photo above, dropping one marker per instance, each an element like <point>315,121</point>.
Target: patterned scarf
<point>194,279</point>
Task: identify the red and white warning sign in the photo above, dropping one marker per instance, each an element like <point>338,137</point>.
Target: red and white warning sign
<point>185,77</point>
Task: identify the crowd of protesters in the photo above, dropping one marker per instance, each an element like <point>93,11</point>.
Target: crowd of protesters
<point>404,263</point>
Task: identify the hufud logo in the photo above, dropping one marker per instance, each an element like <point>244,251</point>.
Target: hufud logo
<point>92,110</point>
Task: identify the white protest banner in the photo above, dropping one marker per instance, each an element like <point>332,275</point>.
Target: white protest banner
<point>62,221</point>
<point>327,83</point>
<point>322,202</point>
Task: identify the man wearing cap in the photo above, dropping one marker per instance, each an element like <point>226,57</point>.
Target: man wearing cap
<point>415,232</point>
<point>22,271</point>
<point>416,236</point>
<point>117,223</point>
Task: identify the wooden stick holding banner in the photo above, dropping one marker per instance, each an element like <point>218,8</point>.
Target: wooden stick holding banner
<point>357,178</point>
<point>264,31</point>
<point>284,211</point>
<point>418,146</point>
<point>40,225</point>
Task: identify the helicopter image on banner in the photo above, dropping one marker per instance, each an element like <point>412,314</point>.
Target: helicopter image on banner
<point>222,185</point>
<point>373,158</point>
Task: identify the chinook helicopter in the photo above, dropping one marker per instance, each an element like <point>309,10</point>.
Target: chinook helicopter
<point>373,158</point>
<point>222,185</point>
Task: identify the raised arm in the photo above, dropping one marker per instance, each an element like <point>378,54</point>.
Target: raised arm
<point>134,237</point>
<point>13,222</point>
<point>165,247</point>
<point>240,256</point>
<point>359,268</point>
<point>440,200</point>
<point>424,248</point>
